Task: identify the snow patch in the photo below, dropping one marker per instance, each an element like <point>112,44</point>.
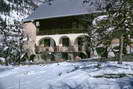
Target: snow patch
<point>78,75</point>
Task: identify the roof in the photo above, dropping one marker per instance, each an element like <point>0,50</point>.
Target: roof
<point>62,8</point>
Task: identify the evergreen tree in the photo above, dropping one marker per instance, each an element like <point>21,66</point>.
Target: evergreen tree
<point>117,25</point>
<point>12,36</point>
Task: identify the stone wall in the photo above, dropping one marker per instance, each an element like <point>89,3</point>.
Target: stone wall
<point>30,32</point>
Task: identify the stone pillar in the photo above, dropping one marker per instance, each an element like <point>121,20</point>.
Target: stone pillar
<point>30,32</point>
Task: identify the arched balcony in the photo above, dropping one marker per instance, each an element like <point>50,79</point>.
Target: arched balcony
<point>65,44</point>
<point>81,44</point>
<point>47,44</point>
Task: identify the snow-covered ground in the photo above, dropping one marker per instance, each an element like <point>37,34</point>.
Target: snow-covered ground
<point>77,75</point>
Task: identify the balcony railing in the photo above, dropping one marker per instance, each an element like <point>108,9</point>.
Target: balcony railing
<point>60,49</point>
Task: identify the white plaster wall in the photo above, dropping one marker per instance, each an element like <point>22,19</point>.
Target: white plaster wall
<point>57,37</point>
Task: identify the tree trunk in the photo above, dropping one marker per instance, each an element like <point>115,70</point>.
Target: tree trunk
<point>121,50</point>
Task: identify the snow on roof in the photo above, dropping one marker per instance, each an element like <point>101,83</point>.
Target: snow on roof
<point>62,8</point>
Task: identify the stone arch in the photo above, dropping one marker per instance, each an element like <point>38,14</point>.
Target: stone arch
<point>80,39</point>
<point>47,42</point>
<point>65,41</point>
<point>82,44</point>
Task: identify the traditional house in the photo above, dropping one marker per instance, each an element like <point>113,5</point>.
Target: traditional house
<point>54,31</point>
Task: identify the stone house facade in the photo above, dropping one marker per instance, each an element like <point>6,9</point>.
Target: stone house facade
<point>55,33</point>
